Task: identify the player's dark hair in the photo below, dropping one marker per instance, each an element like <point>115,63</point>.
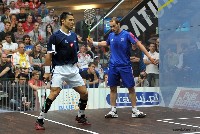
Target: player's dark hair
<point>115,19</point>
<point>64,15</point>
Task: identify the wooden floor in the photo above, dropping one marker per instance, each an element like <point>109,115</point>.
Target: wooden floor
<point>159,120</point>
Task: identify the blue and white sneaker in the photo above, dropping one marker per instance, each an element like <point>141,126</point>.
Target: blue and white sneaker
<point>138,114</point>
<point>111,114</point>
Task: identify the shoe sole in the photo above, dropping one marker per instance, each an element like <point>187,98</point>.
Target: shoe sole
<point>86,123</point>
<point>36,128</point>
<point>110,116</point>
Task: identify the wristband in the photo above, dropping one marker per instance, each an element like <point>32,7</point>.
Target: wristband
<point>95,44</point>
<point>47,69</point>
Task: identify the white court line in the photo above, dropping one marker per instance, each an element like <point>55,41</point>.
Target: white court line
<point>176,123</point>
<point>183,118</point>
<point>62,124</point>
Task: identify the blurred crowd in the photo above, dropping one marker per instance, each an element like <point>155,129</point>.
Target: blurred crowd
<point>25,27</point>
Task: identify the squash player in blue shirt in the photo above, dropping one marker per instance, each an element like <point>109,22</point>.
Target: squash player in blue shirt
<point>120,65</point>
<point>61,55</point>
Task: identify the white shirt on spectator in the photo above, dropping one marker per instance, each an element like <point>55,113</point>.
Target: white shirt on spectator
<point>84,60</point>
<point>14,11</point>
<point>12,46</point>
<point>151,68</point>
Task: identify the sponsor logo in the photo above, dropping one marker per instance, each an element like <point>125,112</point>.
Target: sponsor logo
<point>143,98</point>
<point>186,99</point>
<point>70,101</point>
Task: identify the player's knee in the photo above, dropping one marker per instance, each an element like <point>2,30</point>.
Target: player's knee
<point>84,94</point>
<point>55,92</point>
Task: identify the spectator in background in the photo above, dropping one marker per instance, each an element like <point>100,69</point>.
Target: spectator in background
<point>142,81</point>
<point>49,32</point>
<point>42,10</point>
<point>13,19</point>
<point>35,83</point>
<point>28,25</point>
<point>21,58</point>
<point>27,8</point>
<point>13,9</point>
<point>6,16</point>
<point>36,35</point>
<point>37,58</point>
<point>136,56</point>
<point>42,25</point>
<point>151,68</point>
<point>8,2</point>
<point>5,68</point>
<point>28,44</point>
<point>19,4</point>
<point>21,95</point>
<point>19,34</point>
<point>34,4</point>
<point>104,84</point>
<point>7,28</point>
<point>8,46</point>
<point>49,18</point>
<point>55,23</point>
<point>21,16</point>
<point>90,76</point>
<point>83,58</point>
<point>1,9</point>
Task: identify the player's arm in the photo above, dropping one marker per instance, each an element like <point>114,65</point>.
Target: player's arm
<point>134,40</point>
<point>48,56</point>
<point>101,44</point>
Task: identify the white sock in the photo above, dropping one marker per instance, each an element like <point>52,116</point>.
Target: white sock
<point>81,112</point>
<point>134,108</point>
<point>113,108</point>
<point>41,116</point>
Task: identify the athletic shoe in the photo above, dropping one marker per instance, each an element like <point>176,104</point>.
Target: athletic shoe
<point>138,114</point>
<point>111,114</point>
<point>82,120</point>
<point>39,124</point>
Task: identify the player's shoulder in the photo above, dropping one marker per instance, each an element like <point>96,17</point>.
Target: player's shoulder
<point>126,32</point>
<point>57,33</point>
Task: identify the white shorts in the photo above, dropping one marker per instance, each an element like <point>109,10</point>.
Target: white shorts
<point>67,73</point>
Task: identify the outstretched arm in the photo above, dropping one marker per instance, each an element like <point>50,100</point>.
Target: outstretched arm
<point>143,49</point>
<point>91,42</point>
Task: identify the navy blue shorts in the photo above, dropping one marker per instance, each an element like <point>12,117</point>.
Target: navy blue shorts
<point>125,73</point>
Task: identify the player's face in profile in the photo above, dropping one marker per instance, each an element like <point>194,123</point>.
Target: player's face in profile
<point>114,27</point>
<point>69,22</point>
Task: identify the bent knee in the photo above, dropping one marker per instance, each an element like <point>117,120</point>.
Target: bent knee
<point>55,92</point>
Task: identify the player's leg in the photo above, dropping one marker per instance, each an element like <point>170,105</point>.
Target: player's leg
<point>81,118</point>
<point>113,82</point>
<point>55,89</point>
<point>128,82</point>
<point>75,80</point>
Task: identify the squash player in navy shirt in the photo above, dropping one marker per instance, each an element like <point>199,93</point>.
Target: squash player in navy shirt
<point>120,65</point>
<point>61,55</point>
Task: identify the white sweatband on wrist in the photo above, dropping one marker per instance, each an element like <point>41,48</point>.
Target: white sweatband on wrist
<point>95,44</point>
<point>47,69</point>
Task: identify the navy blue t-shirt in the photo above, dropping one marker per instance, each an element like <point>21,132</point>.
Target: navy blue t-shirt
<point>64,48</point>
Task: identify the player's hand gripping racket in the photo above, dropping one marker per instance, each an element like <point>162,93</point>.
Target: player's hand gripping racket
<point>89,17</point>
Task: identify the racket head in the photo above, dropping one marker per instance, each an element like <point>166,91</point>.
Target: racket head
<point>89,16</point>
